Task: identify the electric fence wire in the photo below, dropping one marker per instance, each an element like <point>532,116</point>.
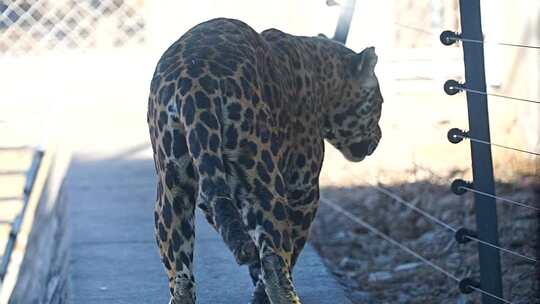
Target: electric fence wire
<point>467,89</point>
<point>389,239</point>
<point>413,207</point>
<point>472,238</point>
<point>461,88</point>
<point>496,145</point>
<point>417,29</point>
<point>501,198</point>
<point>386,237</point>
<point>490,294</point>
<point>12,172</point>
<point>447,226</point>
<point>14,148</point>
<point>10,199</point>
<point>497,43</point>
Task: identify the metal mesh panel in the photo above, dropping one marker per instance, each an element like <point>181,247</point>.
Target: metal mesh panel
<point>34,26</point>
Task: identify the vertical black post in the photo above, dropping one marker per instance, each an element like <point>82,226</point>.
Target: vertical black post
<point>486,210</point>
<point>344,22</point>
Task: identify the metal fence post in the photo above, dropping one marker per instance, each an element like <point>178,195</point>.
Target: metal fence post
<point>344,22</point>
<point>482,166</point>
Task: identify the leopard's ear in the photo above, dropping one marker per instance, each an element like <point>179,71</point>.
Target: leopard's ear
<point>320,35</point>
<point>363,63</point>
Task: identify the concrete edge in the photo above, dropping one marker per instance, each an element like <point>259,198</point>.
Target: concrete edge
<point>29,277</point>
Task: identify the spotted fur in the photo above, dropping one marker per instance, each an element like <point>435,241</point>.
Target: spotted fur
<point>237,121</point>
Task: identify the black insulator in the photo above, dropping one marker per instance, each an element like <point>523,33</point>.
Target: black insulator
<point>464,235</point>
<point>466,283</point>
<point>452,87</point>
<point>456,135</point>
<point>449,37</point>
<point>460,186</point>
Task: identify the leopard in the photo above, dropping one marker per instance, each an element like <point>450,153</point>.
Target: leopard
<point>237,122</point>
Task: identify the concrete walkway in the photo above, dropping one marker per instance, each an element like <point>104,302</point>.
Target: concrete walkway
<point>114,258</point>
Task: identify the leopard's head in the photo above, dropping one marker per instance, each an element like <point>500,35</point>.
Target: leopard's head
<point>352,124</point>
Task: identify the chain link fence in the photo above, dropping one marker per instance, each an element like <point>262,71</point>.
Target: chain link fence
<point>36,26</point>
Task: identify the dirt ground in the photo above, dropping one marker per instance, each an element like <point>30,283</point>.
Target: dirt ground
<point>375,271</point>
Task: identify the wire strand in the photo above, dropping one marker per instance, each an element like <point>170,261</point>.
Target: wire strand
<point>498,43</point>
<point>402,247</point>
<point>386,237</point>
<point>495,95</point>
<point>496,145</point>
<point>15,148</point>
<point>413,207</point>
<point>489,294</point>
<point>10,199</point>
<point>12,172</point>
<point>415,29</point>
<point>501,249</point>
<point>501,198</point>
<point>424,213</point>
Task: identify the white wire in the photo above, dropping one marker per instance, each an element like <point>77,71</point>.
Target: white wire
<point>497,43</point>
<point>496,145</point>
<point>399,199</point>
<point>386,237</point>
<point>489,294</point>
<point>466,39</point>
<point>424,213</point>
<point>500,198</point>
<point>501,248</point>
<point>496,95</point>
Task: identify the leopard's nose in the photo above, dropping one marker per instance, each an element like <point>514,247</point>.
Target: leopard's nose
<point>360,149</point>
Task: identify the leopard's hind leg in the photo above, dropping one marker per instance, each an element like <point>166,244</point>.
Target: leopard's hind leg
<point>201,115</point>
<point>174,209</point>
